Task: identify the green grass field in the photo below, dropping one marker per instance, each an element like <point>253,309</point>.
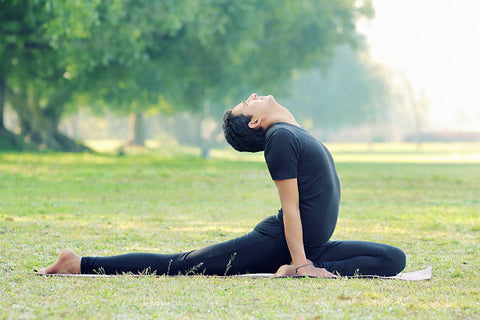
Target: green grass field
<point>426,201</point>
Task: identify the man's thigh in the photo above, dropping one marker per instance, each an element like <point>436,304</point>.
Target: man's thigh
<point>251,253</point>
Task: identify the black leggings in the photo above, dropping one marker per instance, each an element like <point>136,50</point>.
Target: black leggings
<point>263,250</point>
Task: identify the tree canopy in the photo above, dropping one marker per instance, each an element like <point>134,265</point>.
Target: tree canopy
<point>130,55</point>
<point>352,90</point>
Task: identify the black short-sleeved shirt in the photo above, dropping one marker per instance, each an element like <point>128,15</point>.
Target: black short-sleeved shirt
<point>291,152</point>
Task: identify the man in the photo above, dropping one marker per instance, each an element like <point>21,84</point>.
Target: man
<point>309,190</point>
<point>294,242</point>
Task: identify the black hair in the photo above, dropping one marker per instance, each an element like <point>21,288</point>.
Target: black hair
<point>239,135</point>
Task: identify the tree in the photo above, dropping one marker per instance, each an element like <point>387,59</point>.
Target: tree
<point>272,40</point>
<point>51,49</point>
<point>416,105</point>
<point>7,139</point>
<point>352,91</point>
<point>170,55</point>
<point>33,70</point>
<point>229,48</point>
<point>286,37</point>
<point>3,88</point>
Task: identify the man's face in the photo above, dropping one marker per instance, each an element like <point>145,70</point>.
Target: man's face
<point>255,106</point>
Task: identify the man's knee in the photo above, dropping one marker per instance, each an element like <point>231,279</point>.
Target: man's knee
<point>395,260</point>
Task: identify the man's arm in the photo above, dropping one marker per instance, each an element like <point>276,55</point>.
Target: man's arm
<point>289,198</point>
<point>288,192</point>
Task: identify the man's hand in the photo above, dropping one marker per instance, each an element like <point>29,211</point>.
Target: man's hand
<point>310,271</point>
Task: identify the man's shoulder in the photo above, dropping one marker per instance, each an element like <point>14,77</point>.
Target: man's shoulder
<point>279,131</point>
<point>281,138</point>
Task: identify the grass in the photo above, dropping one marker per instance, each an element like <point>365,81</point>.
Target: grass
<point>171,200</point>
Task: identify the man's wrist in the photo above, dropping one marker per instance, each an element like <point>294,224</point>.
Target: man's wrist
<point>303,266</point>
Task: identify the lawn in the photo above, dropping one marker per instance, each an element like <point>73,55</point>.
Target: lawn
<point>426,201</point>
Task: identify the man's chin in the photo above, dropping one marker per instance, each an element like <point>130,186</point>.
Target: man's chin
<point>270,97</point>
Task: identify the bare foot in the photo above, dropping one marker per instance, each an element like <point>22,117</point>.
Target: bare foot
<point>67,263</point>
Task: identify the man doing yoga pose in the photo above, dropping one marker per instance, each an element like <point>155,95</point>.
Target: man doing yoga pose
<point>295,241</point>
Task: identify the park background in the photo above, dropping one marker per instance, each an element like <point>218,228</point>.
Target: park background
<point>111,142</point>
<point>138,71</point>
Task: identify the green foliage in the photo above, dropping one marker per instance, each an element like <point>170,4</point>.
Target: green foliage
<point>227,50</point>
<point>173,55</point>
<point>353,90</point>
<point>280,38</point>
<point>103,205</point>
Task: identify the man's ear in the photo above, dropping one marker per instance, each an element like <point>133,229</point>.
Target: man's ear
<point>255,124</point>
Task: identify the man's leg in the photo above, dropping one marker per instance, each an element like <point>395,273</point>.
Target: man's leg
<point>252,253</point>
<point>359,257</point>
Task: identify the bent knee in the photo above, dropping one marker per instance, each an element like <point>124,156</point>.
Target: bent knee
<point>395,261</point>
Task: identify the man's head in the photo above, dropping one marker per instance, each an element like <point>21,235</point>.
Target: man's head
<point>244,126</point>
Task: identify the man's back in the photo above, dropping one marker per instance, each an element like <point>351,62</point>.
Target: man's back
<point>291,152</point>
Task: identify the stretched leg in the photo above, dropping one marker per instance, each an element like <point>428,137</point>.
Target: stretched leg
<point>262,250</point>
<point>367,258</point>
<point>253,252</point>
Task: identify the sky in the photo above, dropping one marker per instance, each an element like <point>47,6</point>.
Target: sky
<point>435,44</point>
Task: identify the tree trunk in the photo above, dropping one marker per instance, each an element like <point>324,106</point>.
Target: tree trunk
<point>136,129</point>
<point>203,142</point>
<point>39,125</point>
<point>2,101</point>
<point>8,140</point>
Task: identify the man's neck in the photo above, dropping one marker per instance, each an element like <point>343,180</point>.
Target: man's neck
<point>280,115</point>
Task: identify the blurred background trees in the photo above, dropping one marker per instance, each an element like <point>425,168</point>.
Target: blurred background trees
<point>352,91</point>
<point>126,57</point>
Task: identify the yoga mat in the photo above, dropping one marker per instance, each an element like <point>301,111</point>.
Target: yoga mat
<point>424,274</point>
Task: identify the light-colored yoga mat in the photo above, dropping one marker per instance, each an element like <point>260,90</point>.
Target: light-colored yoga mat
<point>424,274</point>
